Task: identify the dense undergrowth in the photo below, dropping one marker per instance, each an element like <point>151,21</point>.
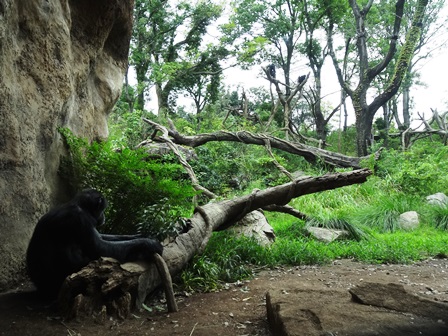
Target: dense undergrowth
<point>369,212</point>
<point>145,195</point>
<point>150,194</point>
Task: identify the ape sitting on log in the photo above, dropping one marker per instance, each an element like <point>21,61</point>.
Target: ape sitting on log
<point>66,240</point>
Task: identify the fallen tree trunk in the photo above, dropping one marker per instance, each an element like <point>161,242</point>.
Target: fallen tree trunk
<point>311,154</point>
<point>218,216</point>
<point>206,219</point>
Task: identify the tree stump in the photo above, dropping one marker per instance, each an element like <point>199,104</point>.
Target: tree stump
<point>107,288</point>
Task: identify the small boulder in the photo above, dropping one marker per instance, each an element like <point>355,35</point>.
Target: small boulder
<point>409,220</point>
<point>439,199</point>
<point>255,225</point>
<point>326,235</point>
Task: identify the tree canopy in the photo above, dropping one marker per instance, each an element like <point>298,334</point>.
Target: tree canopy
<point>182,49</point>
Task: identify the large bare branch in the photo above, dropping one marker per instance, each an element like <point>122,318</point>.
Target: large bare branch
<point>311,154</point>
<point>164,138</point>
<point>425,129</point>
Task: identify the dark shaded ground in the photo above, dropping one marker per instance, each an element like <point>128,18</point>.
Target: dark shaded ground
<point>238,310</point>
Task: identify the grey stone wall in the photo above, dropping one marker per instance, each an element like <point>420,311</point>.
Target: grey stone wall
<point>61,65</point>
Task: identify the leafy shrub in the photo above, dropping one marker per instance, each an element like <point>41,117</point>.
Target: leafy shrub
<point>146,196</point>
<point>384,212</point>
<point>438,217</point>
<point>226,167</point>
<point>420,171</point>
<point>202,274</point>
<point>225,259</point>
<point>127,128</point>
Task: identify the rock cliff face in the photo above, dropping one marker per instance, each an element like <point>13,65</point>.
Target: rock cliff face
<point>62,64</point>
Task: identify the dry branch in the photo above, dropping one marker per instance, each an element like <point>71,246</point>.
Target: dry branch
<point>164,138</point>
<point>311,154</point>
<point>276,163</point>
<point>287,210</point>
<point>436,125</point>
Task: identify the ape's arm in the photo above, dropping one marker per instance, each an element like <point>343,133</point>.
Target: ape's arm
<point>110,237</point>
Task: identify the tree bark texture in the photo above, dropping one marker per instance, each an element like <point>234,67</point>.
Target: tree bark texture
<point>311,154</point>
<point>365,112</point>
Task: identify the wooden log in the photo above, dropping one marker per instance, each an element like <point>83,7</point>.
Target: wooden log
<point>106,287</point>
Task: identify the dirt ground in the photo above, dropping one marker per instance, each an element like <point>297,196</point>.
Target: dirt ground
<point>237,310</point>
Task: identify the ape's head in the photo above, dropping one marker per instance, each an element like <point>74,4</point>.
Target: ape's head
<point>92,201</point>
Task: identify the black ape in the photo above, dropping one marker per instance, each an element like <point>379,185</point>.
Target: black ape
<point>271,70</point>
<point>301,79</point>
<point>66,239</point>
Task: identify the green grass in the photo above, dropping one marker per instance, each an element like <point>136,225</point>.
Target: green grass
<point>437,216</point>
<point>228,259</point>
<point>383,212</point>
<point>370,213</point>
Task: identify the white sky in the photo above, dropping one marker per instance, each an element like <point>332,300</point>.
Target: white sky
<point>434,74</point>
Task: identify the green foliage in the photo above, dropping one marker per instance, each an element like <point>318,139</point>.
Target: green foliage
<point>438,216</point>
<point>136,188</point>
<point>201,275</point>
<point>168,50</point>
<point>383,213</point>
<point>127,128</point>
<point>420,171</point>
<point>224,260</point>
<point>226,167</point>
<point>343,141</point>
<point>301,251</point>
<point>369,212</point>
<point>398,247</point>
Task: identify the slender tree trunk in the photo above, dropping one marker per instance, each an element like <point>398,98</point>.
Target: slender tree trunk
<point>287,120</point>
<point>406,104</point>
<point>130,100</point>
<point>364,119</point>
<point>319,118</point>
<point>162,102</point>
<point>363,136</point>
<point>386,117</point>
<point>141,85</point>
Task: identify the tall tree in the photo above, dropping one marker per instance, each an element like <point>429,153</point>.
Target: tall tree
<point>432,38</point>
<point>368,70</point>
<point>315,15</point>
<point>168,49</point>
<point>269,31</point>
